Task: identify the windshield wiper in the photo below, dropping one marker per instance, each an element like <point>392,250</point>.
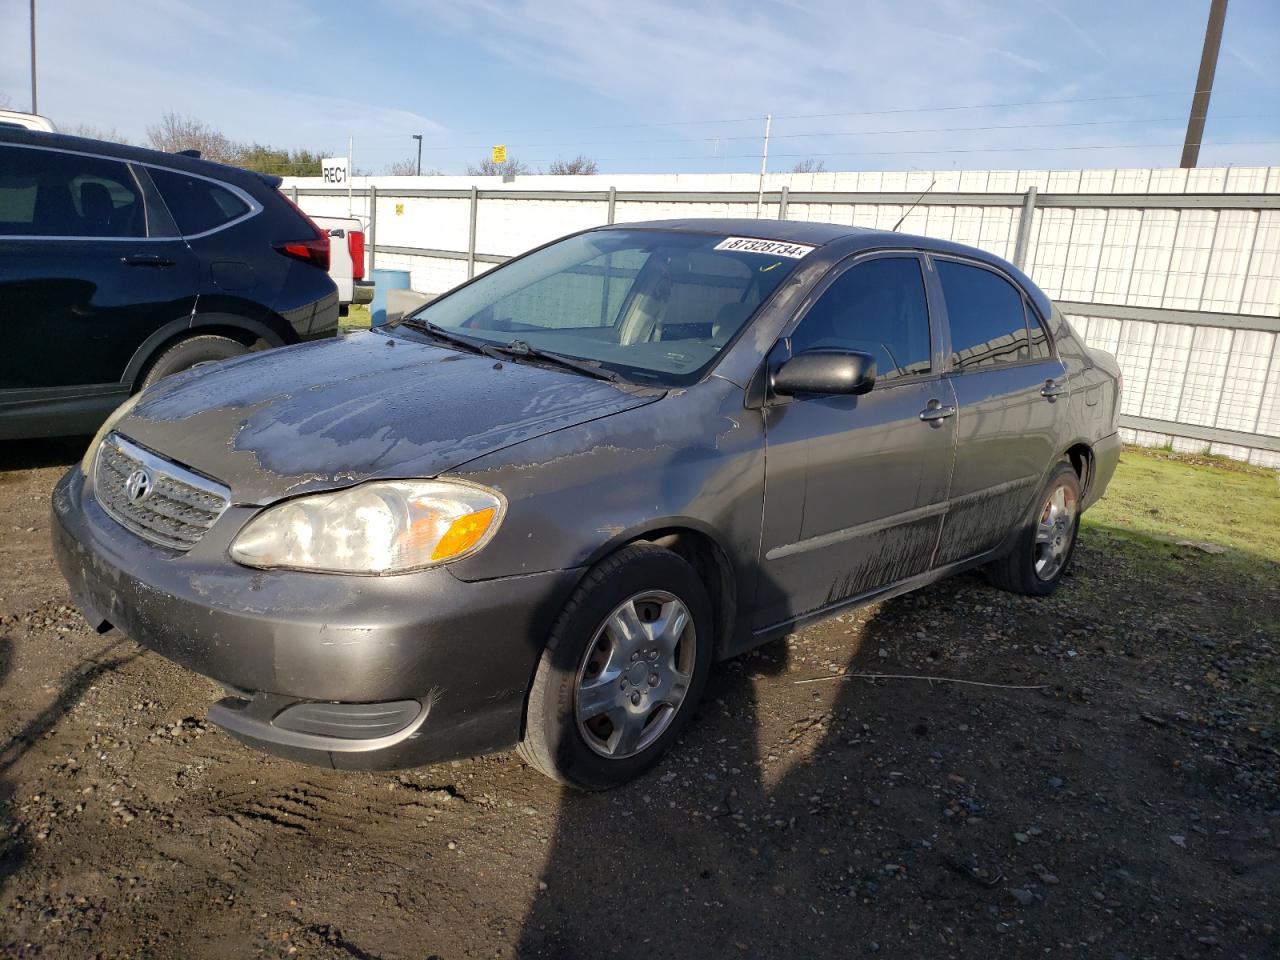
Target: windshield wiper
<point>592,368</point>
<point>455,339</point>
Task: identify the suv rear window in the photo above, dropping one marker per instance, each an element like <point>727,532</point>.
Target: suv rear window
<point>197,205</point>
<point>49,193</point>
<point>987,318</point>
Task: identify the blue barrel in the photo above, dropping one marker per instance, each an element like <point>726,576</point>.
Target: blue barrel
<point>384,280</point>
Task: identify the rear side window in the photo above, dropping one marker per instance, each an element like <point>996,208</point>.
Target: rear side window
<point>877,307</point>
<point>197,205</point>
<point>47,193</point>
<point>988,320</point>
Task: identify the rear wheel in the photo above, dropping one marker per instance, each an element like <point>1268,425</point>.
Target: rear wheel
<point>1035,565</point>
<point>186,354</point>
<point>622,672</point>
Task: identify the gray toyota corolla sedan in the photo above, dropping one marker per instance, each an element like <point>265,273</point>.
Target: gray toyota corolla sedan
<point>538,510</point>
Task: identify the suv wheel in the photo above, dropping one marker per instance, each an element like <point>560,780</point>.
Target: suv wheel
<point>622,672</point>
<point>185,354</point>
<point>1035,565</point>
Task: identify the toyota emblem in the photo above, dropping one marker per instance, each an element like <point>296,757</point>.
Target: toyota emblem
<point>138,486</point>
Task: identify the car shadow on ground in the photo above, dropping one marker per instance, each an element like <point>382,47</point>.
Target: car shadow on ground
<point>825,847</point>
<point>782,866</point>
<point>35,454</point>
<point>71,687</point>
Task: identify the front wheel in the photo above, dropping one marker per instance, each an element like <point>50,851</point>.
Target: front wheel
<point>622,672</point>
<point>1035,565</point>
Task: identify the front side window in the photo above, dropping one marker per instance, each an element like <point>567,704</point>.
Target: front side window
<point>988,321</point>
<point>878,307</point>
<point>197,205</point>
<point>652,305</point>
<point>48,193</point>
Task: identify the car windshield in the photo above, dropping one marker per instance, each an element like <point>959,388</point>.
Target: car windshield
<point>655,306</point>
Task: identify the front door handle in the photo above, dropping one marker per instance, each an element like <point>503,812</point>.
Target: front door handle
<point>1052,389</point>
<point>146,260</point>
<point>935,410</point>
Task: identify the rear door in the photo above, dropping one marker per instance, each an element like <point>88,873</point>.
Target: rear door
<point>1009,388</point>
<point>855,487</point>
<point>89,266</point>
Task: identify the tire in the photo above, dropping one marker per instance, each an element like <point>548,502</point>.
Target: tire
<point>602,710</point>
<point>1045,545</point>
<point>185,354</point>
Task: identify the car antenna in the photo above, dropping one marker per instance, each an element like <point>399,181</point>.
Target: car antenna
<point>916,204</point>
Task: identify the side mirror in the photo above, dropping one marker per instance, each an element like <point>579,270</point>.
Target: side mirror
<point>824,371</point>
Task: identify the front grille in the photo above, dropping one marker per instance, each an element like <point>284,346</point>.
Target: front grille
<point>171,505</point>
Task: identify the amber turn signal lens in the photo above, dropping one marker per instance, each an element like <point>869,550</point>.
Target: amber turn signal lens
<point>463,534</point>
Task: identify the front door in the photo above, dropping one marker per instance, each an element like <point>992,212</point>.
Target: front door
<point>856,487</point>
<point>1010,392</point>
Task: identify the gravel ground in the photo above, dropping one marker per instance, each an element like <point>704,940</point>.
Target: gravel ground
<point>1127,806</point>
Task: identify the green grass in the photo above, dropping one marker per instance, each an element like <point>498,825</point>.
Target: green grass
<point>357,319</point>
<point>1166,499</point>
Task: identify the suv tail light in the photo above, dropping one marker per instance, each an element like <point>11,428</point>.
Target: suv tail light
<point>355,245</point>
<point>314,249</point>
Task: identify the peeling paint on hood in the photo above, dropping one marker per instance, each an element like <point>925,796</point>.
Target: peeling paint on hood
<point>367,406</point>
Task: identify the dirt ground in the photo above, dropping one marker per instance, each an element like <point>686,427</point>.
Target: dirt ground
<point>1129,806</point>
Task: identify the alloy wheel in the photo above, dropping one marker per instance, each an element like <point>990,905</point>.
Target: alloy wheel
<point>635,674</point>
<point>1055,531</point>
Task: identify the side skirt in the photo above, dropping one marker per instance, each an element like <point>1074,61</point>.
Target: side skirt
<point>750,640</point>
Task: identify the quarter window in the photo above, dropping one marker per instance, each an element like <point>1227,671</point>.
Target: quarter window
<point>197,205</point>
<point>878,307</point>
<point>988,320</point>
<point>1040,349</point>
<point>47,193</point>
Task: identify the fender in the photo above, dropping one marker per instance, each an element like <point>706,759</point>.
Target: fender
<point>194,323</point>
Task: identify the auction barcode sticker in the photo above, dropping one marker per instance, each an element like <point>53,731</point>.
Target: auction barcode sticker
<point>773,248</point>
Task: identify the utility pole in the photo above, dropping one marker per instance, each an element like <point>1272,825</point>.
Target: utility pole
<point>764,164</point>
<point>418,137</point>
<point>351,172</point>
<point>33,57</point>
<point>1204,82</point>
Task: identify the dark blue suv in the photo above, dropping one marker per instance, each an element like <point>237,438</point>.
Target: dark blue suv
<point>121,265</point>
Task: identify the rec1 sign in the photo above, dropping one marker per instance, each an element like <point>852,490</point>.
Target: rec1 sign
<point>333,170</point>
<point>500,153</point>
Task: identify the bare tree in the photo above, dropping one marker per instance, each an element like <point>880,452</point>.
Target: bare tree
<point>487,168</point>
<point>176,132</point>
<point>409,168</point>
<point>809,165</point>
<point>91,132</point>
<point>581,165</point>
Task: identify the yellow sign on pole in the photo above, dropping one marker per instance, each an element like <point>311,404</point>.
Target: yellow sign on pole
<point>500,153</point>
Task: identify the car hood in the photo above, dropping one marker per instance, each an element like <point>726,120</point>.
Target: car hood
<point>337,412</point>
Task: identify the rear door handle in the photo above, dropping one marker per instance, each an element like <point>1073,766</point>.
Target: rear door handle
<point>146,260</point>
<point>1052,388</point>
<point>935,410</point>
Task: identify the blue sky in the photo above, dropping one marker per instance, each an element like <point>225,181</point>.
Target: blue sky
<point>669,85</point>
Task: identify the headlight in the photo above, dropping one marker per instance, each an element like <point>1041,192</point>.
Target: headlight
<point>378,527</point>
<point>120,412</point>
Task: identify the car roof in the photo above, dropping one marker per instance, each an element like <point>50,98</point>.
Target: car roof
<point>122,151</point>
<point>840,240</point>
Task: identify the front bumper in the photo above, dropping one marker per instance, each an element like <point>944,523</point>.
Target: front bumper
<point>465,652</point>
